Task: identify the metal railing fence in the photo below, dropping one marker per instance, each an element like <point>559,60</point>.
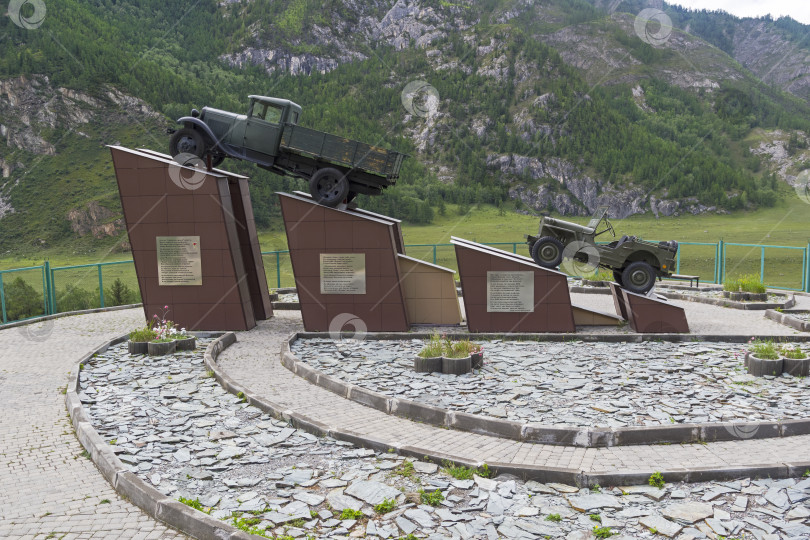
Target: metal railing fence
<point>44,290</point>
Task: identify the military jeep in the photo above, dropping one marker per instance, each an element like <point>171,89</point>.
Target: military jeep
<point>635,263</point>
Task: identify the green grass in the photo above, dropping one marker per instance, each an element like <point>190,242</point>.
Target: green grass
<point>784,225</point>
<point>433,498</point>
<point>348,513</point>
<point>386,506</point>
<point>765,349</point>
<point>554,517</point>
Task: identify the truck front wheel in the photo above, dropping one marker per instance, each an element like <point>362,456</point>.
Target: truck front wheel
<point>329,186</point>
<point>187,141</point>
<point>547,252</point>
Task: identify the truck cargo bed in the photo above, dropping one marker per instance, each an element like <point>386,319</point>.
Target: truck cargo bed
<point>342,151</point>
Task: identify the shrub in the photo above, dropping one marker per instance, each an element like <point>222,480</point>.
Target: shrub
<point>22,300</point>
<point>433,348</point>
<point>142,334</point>
<point>764,349</point>
<point>748,283</point>
<point>75,299</point>
<point>119,294</point>
<point>794,353</point>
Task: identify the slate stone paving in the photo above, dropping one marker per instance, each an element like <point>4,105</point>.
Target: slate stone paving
<point>718,295</point>
<point>174,426</point>
<point>575,383</point>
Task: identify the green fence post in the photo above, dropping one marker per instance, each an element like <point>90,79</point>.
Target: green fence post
<point>514,247</point>
<point>762,265</point>
<point>3,299</point>
<point>722,275</point>
<point>807,276</point>
<point>53,293</point>
<point>100,287</point>
<point>278,269</point>
<point>678,261</point>
<point>434,253</point>
<point>45,294</point>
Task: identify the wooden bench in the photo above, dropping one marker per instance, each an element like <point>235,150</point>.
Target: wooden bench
<point>681,277</point>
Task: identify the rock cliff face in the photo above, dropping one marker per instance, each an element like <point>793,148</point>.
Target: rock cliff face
<point>768,53</point>
<point>96,220</point>
<point>566,189</point>
<point>36,117</point>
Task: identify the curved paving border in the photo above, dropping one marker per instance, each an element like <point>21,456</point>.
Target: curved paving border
<point>530,432</point>
<point>787,320</point>
<point>129,485</point>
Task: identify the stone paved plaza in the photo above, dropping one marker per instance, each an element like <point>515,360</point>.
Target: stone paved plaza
<point>52,490</point>
<point>49,485</point>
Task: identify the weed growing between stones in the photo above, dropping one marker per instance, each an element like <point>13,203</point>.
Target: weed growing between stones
<point>433,498</point>
<point>602,532</point>
<point>348,513</point>
<point>195,504</point>
<point>556,518</point>
<point>657,480</point>
<point>386,506</point>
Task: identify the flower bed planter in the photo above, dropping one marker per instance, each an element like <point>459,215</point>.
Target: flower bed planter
<point>427,365</point>
<point>456,366</point>
<point>162,348</point>
<point>138,347</point>
<point>763,366</point>
<point>746,296</point>
<point>796,367</point>
<point>187,344</point>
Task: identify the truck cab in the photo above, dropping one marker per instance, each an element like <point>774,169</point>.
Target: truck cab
<point>263,125</point>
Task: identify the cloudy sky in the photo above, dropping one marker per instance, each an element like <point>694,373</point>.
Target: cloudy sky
<point>798,9</point>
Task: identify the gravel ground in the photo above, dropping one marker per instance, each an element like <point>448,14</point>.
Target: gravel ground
<point>575,383</point>
<point>178,430</point>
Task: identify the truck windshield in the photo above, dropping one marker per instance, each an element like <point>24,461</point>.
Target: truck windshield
<point>267,112</point>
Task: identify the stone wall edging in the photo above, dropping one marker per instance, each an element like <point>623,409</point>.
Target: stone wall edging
<point>789,302</point>
<point>787,320</point>
<point>530,432</point>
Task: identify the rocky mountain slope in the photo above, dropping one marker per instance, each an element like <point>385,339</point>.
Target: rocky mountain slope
<point>559,105</point>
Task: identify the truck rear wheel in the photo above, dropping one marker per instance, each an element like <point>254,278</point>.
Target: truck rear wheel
<point>547,252</point>
<point>187,141</point>
<point>329,186</point>
<point>638,277</point>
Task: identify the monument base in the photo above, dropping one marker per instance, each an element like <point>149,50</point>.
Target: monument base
<point>648,314</point>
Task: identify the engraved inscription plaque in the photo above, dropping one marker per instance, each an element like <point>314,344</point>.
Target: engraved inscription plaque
<point>179,261</point>
<point>343,273</point>
<point>510,292</point>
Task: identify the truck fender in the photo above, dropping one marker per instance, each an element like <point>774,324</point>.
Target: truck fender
<point>199,124</point>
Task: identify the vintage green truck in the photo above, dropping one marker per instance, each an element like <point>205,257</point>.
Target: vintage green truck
<point>635,263</point>
<point>337,169</point>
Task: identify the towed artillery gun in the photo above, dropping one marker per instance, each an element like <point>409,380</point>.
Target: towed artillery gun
<point>635,263</point>
<point>337,169</point>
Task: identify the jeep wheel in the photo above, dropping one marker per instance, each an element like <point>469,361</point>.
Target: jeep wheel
<point>187,141</point>
<point>547,252</point>
<point>638,277</point>
<point>617,277</point>
<point>329,186</point>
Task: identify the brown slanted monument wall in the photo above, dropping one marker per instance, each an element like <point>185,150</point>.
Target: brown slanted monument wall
<point>313,229</point>
<point>552,310</point>
<point>217,208</point>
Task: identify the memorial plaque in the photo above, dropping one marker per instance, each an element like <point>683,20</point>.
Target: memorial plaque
<point>179,260</point>
<point>510,292</point>
<point>343,273</point>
